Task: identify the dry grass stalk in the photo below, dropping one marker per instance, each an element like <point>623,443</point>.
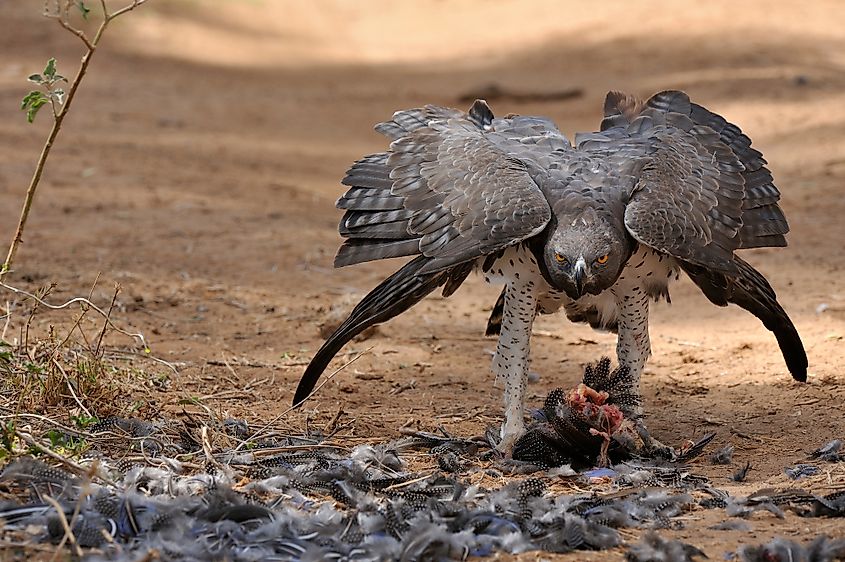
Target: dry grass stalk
<point>312,393</point>
<point>68,531</point>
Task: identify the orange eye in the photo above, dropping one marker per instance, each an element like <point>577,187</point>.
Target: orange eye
<point>560,259</point>
<point>603,259</point>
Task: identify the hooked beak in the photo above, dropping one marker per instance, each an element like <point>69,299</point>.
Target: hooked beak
<point>578,274</point>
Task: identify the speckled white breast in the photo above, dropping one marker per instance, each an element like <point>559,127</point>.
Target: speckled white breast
<point>647,269</point>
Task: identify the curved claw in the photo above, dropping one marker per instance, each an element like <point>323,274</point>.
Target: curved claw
<point>653,446</point>
<point>505,446</point>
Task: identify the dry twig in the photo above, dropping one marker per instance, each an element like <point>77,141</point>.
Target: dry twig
<point>66,526</point>
<point>87,302</point>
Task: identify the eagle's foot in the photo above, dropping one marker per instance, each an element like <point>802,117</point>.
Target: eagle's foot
<point>506,444</point>
<point>511,431</point>
<point>652,446</point>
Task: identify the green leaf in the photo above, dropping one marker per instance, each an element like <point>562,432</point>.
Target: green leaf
<point>33,110</point>
<point>80,4</point>
<point>34,368</point>
<point>50,69</point>
<point>32,102</point>
<point>7,436</point>
<point>30,97</point>
<point>37,78</point>
<point>82,421</point>
<point>56,438</point>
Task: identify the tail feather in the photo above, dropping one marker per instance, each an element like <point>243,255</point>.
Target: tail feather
<point>750,290</point>
<point>393,296</point>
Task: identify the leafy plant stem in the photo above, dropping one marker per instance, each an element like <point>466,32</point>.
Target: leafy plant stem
<point>39,167</point>
<point>91,47</point>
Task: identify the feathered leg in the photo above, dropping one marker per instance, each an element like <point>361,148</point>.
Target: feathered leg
<point>512,357</point>
<point>633,348</point>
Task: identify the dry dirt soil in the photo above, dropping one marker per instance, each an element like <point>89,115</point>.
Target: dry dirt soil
<point>201,161</point>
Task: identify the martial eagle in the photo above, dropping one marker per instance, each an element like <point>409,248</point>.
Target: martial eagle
<point>599,228</point>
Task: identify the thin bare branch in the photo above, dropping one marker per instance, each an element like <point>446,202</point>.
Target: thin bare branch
<point>8,316</point>
<point>30,440</point>
<point>51,422</point>
<point>76,468</point>
<point>70,386</point>
<point>61,15</point>
<point>78,32</point>
<point>128,8</point>
<point>78,321</point>
<point>86,490</point>
<point>108,317</point>
<point>126,354</point>
<point>53,107</point>
<point>207,450</point>
<point>66,526</point>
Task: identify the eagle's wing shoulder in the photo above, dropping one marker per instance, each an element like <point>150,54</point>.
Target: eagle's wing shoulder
<point>449,188</point>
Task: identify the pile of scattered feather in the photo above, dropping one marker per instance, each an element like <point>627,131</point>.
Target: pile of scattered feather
<point>576,480</point>
<point>316,506</point>
<point>323,505</point>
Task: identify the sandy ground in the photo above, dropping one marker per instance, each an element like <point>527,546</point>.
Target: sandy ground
<point>201,162</point>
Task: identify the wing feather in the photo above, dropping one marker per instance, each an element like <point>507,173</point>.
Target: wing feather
<point>452,187</point>
<point>701,191</point>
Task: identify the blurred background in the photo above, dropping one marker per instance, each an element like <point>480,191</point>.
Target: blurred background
<point>201,160</point>
<point>199,166</point>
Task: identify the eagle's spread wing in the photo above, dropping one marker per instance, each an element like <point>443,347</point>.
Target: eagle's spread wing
<point>446,190</point>
<point>454,187</point>
<point>699,191</point>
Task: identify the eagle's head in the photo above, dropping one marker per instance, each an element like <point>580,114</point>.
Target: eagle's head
<point>585,255</point>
